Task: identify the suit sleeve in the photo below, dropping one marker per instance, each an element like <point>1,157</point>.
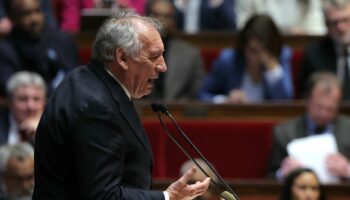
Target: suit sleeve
<point>99,148</point>
<point>277,154</point>
<point>198,74</point>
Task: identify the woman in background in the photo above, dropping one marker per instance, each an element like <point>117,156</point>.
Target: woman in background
<point>302,184</point>
<point>258,70</point>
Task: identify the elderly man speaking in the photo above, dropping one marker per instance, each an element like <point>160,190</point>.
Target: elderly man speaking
<point>90,143</point>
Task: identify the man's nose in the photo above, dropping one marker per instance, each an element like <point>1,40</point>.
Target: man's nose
<point>161,67</point>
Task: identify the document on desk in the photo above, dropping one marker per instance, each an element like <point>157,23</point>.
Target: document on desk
<point>312,151</point>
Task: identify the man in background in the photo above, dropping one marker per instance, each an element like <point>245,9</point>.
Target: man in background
<point>331,53</point>
<point>17,171</point>
<point>33,47</point>
<point>26,100</point>
<point>321,117</point>
<point>185,66</point>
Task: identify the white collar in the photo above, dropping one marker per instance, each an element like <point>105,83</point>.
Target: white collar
<point>124,88</point>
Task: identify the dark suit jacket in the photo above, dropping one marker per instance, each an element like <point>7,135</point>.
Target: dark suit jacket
<point>185,71</point>
<point>4,125</point>
<point>320,55</point>
<point>90,143</point>
<point>297,128</point>
<point>54,51</point>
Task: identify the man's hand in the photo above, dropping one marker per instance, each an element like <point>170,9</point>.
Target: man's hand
<point>338,165</point>
<point>28,127</point>
<point>288,165</point>
<point>237,96</point>
<point>180,190</point>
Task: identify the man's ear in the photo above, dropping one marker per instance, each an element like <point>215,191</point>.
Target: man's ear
<point>121,58</point>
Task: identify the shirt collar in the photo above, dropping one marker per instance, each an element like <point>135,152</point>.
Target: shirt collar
<point>124,88</point>
<point>311,125</point>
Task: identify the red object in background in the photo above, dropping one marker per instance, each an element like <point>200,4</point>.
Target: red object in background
<point>237,149</point>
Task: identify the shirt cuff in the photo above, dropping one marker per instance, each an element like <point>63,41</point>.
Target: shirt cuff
<point>218,99</point>
<point>279,175</point>
<point>166,195</point>
<point>272,76</point>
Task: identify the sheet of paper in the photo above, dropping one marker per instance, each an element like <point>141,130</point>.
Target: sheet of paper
<point>312,152</point>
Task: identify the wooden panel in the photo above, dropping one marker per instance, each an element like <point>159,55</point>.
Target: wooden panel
<point>268,190</point>
<point>263,111</point>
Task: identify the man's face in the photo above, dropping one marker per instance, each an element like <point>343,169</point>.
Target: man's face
<point>338,23</point>
<point>143,70</point>
<point>28,16</point>
<point>27,102</point>
<point>19,178</point>
<point>323,106</point>
<point>164,12</point>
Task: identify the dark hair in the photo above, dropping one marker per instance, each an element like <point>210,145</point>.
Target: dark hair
<point>328,79</point>
<point>288,184</point>
<point>9,7</point>
<point>264,30</point>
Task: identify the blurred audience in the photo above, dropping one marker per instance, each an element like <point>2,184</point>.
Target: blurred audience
<point>258,70</point>
<point>6,23</point>
<point>211,193</point>
<point>202,15</point>
<point>30,46</point>
<point>185,66</point>
<point>17,172</point>
<point>27,98</point>
<point>302,184</point>
<point>321,117</point>
<point>332,52</point>
<point>292,16</point>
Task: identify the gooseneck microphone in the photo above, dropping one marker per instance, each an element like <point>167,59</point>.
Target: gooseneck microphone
<point>228,195</point>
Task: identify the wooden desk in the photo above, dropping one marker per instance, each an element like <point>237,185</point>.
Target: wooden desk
<point>267,190</point>
<point>196,109</point>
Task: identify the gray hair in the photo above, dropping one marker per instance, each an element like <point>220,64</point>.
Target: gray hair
<point>19,151</point>
<point>326,4</point>
<point>24,78</point>
<point>119,31</point>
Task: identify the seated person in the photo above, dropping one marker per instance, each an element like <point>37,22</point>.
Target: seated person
<point>302,184</point>
<point>259,70</point>
<point>321,117</point>
<point>185,66</point>
<point>17,171</point>
<point>6,24</point>
<point>332,52</point>
<point>32,47</point>
<point>27,98</point>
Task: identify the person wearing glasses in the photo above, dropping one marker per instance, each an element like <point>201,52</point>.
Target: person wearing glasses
<point>331,53</point>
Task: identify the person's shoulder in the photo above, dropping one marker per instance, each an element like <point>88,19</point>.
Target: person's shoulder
<point>6,45</point>
<point>182,44</point>
<point>343,119</point>
<point>81,91</point>
<point>288,124</point>
<point>322,44</point>
<point>227,55</point>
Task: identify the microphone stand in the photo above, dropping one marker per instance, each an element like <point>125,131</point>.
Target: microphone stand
<point>159,107</point>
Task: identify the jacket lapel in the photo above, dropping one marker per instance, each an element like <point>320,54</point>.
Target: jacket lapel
<point>125,105</point>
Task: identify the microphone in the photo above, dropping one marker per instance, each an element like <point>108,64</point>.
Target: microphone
<point>160,107</point>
